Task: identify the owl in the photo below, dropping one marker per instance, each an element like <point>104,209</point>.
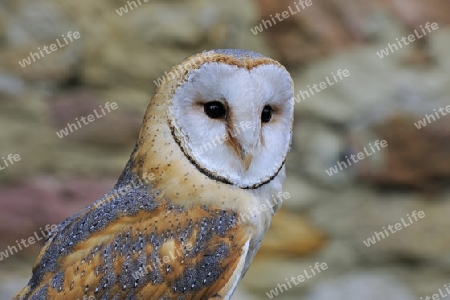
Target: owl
<point>194,201</point>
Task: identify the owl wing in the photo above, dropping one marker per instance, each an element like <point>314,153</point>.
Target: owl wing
<point>130,246</point>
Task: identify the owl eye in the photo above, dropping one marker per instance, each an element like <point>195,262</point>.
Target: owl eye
<point>214,109</point>
<point>266,114</point>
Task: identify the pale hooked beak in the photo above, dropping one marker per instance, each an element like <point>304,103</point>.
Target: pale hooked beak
<point>245,157</point>
<point>247,160</point>
<point>244,140</point>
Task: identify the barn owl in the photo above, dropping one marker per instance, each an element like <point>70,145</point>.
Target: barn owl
<point>181,222</point>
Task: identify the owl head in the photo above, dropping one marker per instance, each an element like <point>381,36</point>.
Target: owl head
<point>231,113</point>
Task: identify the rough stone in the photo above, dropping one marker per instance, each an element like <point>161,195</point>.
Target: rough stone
<point>362,286</point>
<point>291,235</point>
<point>33,204</point>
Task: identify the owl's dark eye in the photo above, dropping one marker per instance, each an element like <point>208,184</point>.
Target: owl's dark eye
<point>266,114</point>
<point>214,109</point>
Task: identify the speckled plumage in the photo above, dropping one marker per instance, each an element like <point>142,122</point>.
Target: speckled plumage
<point>170,228</point>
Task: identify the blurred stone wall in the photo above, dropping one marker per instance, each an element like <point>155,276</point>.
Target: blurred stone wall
<point>327,218</point>
<point>325,27</point>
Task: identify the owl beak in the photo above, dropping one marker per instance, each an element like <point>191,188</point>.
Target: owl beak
<point>244,141</point>
<point>244,156</point>
<point>247,160</point>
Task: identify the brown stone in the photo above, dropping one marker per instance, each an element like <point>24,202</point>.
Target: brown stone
<point>414,158</point>
<point>70,107</point>
<point>31,205</point>
<point>291,234</point>
<point>328,26</point>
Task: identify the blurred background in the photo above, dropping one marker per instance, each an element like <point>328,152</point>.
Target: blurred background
<point>327,218</point>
